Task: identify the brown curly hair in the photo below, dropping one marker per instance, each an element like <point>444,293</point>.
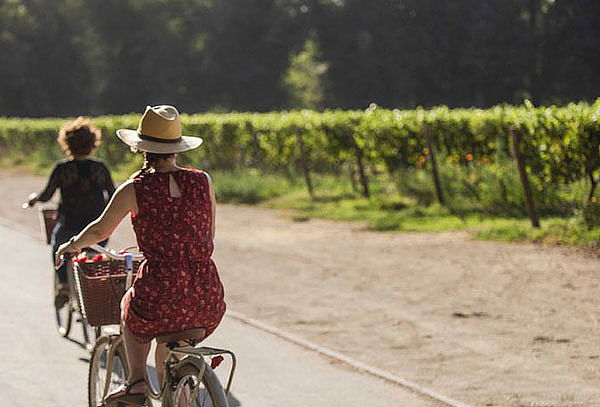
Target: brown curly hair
<point>79,137</point>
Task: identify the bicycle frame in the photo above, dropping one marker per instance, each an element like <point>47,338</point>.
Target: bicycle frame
<point>192,355</point>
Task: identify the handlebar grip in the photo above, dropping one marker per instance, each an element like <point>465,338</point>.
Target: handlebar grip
<point>65,259</point>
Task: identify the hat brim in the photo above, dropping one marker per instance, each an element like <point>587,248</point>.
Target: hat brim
<point>133,140</point>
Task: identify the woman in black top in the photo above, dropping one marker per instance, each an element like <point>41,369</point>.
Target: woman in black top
<point>85,186</point>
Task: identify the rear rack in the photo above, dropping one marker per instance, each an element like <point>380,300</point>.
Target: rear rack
<point>208,351</point>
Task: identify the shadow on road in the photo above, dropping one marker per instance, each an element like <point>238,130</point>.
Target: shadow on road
<point>76,342</point>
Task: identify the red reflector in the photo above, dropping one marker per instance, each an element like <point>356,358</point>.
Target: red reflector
<point>216,361</point>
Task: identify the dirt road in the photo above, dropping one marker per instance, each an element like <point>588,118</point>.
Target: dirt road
<point>487,323</point>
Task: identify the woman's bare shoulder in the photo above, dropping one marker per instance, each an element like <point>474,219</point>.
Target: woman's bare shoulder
<point>124,196</point>
<point>127,188</point>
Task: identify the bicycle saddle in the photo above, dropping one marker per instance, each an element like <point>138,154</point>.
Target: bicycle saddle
<point>189,335</point>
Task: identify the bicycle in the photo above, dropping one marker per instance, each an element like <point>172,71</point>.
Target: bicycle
<point>70,309</point>
<point>188,380</point>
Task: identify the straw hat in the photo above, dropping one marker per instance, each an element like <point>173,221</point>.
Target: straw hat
<point>159,131</point>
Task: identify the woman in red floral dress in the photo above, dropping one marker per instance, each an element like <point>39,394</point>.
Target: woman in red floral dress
<point>177,288</point>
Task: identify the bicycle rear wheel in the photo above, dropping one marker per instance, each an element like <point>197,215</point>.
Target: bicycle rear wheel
<point>108,370</point>
<point>192,391</point>
<point>63,312</point>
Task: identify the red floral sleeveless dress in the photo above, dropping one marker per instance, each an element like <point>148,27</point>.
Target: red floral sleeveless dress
<point>177,287</point>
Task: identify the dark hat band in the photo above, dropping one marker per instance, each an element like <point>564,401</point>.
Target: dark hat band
<point>159,140</point>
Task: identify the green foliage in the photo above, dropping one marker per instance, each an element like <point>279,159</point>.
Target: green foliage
<point>591,215</point>
<point>248,187</point>
<point>304,78</point>
<point>386,212</point>
<point>254,157</point>
<point>113,56</point>
<point>560,144</point>
<point>553,231</point>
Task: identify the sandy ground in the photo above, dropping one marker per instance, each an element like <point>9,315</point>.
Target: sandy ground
<point>486,323</point>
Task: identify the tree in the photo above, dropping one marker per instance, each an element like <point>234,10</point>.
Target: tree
<point>70,57</point>
<point>304,78</point>
<point>571,61</point>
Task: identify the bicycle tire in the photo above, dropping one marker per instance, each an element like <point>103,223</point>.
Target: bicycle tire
<point>98,361</point>
<point>210,392</point>
<point>64,314</point>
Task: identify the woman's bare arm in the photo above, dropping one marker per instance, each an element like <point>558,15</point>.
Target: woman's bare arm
<point>123,202</point>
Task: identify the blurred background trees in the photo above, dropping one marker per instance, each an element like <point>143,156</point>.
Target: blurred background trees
<point>67,57</point>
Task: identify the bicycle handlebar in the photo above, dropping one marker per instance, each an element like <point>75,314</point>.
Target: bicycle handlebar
<point>27,204</point>
<point>65,258</point>
<point>108,253</point>
<point>113,255</point>
<point>127,257</point>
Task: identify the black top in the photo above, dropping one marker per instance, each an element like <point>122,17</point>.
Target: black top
<point>85,188</point>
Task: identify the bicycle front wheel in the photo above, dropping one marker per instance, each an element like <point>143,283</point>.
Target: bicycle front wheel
<point>108,370</point>
<point>90,334</point>
<point>63,310</point>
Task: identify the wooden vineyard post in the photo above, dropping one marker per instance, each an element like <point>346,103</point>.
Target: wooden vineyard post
<point>434,170</point>
<point>594,183</point>
<point>364,181</point>
<point>305,166</point>
<point>531,210</point>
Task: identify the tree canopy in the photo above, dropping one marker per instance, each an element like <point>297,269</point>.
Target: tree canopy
<point>70,57</point>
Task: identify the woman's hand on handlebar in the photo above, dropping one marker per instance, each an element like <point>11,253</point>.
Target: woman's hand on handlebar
<point>67,247</point>
<point>31,200</point>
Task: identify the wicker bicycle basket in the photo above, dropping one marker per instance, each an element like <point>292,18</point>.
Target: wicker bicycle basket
<point>100,287</point>
<point>47,221</point>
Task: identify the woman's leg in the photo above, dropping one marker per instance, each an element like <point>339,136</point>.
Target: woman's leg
<point>136,353</point>
<point>160,355</point>
<point>59,236</point>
